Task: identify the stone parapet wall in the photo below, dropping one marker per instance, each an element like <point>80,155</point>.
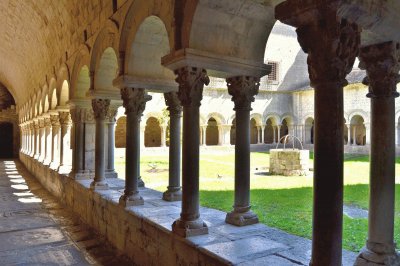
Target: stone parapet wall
<point>289,162</point>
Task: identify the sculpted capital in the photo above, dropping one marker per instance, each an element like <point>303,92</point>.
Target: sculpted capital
<point>134,100</point>
<point>172,102</point>
<point>100,108</point>
<point>191,82</point>
<point>243,89</point>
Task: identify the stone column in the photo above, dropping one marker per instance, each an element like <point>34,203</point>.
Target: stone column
<point>332,45</point>
<point>174,192</point>
<point>274,133</point>
<point>278,129</point>
<point>191,81</point>
<point>262,134</point>
<point>382,64</point>
<point>110,169</point>
<point>142,129</point>
<point>78,117</point>
<point>134,101</point>
<point>100,110</point>
<point>348,134</point>
<point>65,151</point>
<point>204,135</point>
<point>55,141</point>
<point>41,140</point>
<point>367,133</point>
<point>397,134</point>
<point>258,135</point>
<point>243,89</point>
<point>354,136</point>
<point>163,135</point>
<point>34,131</point>
<point>48,138</point>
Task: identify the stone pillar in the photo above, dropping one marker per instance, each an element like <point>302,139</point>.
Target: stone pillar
<point>134,101</point>
<point>278,129</point>
<point>100,110</point>
<point>174,192</point>
<point>243,89</point>
<point>48,138</point>
<point>191,81</point>
<point>55,141</point>
<point>163,135</point>
<point>354,136</point>
<point>65,151</point>
<point>397,134</point>
<point>330,59</point>
<point>204,135</point>
<point>382,64</point>
<point>258,135</point>
<point>78,118</point>
<point>274,133</point>
<point>34,131</point>
<point>367,133</point>
<point>348,134</point>
<point>41,140</point>
<point>262,134</point>
<point>110,169</point>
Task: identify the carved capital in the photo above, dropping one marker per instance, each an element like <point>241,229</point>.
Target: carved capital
<point>47,122</point>
<point>172,102</point>
<point>243,89</point>
<point>41,122</point>
<point>332,47</point>
<point>134,100</point>
<point>111,114</point>
<point>87,115</point>
<point>191,82</point>
<point>55,121</point>
<point>65,118</point>
<point>100,108</point>
<point>381,61</point>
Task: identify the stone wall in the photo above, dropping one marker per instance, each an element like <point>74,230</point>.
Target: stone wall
<point>289,162</point>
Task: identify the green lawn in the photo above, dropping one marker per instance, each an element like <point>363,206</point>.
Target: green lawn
<point>281,202</point>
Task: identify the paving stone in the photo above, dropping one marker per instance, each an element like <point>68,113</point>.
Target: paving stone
<point>245,249</point>
<point>271,260</point>
<point>14,223</point>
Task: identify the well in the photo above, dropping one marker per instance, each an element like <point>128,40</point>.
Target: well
<point>289,162</point>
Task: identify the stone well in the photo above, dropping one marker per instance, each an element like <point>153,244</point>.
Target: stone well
<point>289,162</point>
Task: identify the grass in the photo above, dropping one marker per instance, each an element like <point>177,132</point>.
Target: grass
<point>281,202</point>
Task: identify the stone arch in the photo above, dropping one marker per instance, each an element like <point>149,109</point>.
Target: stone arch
<point>361,113</point>
<point>202,120</point>
<point>137,13</point>
<point>80,77</point>
<point>346,137</point>
<point>45,98</point>
<point>39,103</point>
<point>46,105</point>
<point>152,132</point>
<point>218,117</point>
<point>212,132</point>
<point>285,124</point>
<point>270,129</point>
<point>120,132</point>
<point>143,54</point>
<point>53,99</point>
<point>231,119</point>
<point>245,36</point>
<point>63,85</point>
<point>105,72</point>
<point>357,130</point>
<point>6,139</point>
<point>258,118</point>
<point>274,119</point>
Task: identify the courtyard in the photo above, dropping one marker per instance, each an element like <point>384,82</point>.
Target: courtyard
<point>279,201</point>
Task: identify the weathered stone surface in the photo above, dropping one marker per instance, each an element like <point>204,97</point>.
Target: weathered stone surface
<point>289,162</point>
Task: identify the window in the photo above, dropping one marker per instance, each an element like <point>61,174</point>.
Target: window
<point>274,75</point>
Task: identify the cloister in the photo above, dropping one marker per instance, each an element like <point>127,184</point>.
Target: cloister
<point>77,76</point>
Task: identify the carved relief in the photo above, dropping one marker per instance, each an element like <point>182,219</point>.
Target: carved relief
<point>191,82</point>
<point>243,89</point>
<point>382,63</point>
<point>173,102</point>
<point>112,113</point>
<point>47,122</point>
<point>134,100</point>
<point>100,108</point>
<point>65,118</point>
<point>332,57</point>
<point>54,120</point>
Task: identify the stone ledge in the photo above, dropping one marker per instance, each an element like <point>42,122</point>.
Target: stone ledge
<point>144,232</point>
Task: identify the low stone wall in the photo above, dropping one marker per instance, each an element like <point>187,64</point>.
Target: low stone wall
<point>132,231</point>
<point>289,162</point>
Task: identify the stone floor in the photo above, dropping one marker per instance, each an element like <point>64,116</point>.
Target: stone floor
<point>36,230</point>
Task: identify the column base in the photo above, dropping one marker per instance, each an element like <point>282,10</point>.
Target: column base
<point>111,174</point>
<point>382,255</point>
<point>189,228</point>
<point>131,200</point>
<point>173,194</point>
<point>140,182</point>
<point>81,175</point>
<point>99,185</point>
<point>54,165</point>
<point>64,169</point>
<point>241,218</point>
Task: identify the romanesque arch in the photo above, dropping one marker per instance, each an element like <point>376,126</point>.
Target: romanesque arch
<point>358,130</point>
<point>253,131</point>
<point>212,137</point>
<point>152,133</point>
<point>309,131</point>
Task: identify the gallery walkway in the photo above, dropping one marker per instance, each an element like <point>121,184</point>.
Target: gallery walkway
<point>36,230</point>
